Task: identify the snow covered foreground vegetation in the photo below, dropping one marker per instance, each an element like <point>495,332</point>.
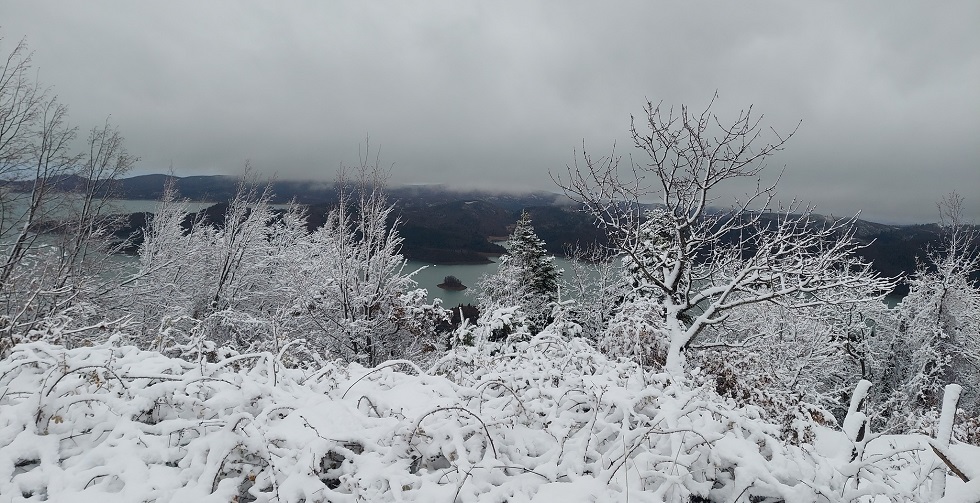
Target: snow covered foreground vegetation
<point>549,419</point>
<point>737,355</point>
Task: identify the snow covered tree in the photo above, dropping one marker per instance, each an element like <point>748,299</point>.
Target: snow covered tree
<point>259,280</point>
<point>53,207</point>
<point>937,332</point>
<point>696,261</point>
<point>527,277</point>
<point>535,266</point>
<point>35,152</point>
<point>214,282</point>
<point>365,305</point>
<point>88,211</point>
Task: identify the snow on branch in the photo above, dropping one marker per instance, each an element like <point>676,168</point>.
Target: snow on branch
<point>550,415</point>
<point>696,259</point>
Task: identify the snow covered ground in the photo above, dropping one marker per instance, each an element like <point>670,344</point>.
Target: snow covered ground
<point>545,420</point>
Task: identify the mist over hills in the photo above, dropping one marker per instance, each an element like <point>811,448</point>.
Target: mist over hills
<point>451,226</point>
<point>219,188</point>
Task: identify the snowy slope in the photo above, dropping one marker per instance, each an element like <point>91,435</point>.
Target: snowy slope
<point>546,420</point>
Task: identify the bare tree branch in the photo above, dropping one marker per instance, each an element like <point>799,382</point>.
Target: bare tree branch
<point>698,261</point>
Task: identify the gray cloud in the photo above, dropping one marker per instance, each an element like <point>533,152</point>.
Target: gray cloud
<point>495,95</point>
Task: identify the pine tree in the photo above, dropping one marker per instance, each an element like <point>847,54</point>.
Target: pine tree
<point>527,277</point>
<point>535,266</point>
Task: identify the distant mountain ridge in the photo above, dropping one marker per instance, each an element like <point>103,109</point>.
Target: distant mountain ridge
<point>445,225</point>
<point>217,188</point>
<point>439,224</point>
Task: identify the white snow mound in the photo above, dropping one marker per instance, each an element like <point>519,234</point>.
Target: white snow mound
<point>543,420</point>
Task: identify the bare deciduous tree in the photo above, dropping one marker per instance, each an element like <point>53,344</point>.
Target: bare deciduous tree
<point>699,262</point>
<point>89,215</point>
<point>46,186</point>
<point>35,142</point>
<point>937,326</point>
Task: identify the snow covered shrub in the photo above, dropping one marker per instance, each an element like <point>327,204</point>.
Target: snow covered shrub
<point>810,355</point>
<point>362,305</point>
<point>743,377</point>
<point>654,436</point>
<point>563,320</point>
<point>224,281</point>
<point>39,303</point>
<point>260,280</point>
<point>637,331</point>
<point>934,337</point>
<point>506,324</point>
<point>967,427</point>
<point>137,426</point>
<point>938,328</point>
<point>547,419</point>
<point>593,281</point>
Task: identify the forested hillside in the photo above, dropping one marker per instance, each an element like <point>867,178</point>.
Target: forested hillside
<point>446,226</point>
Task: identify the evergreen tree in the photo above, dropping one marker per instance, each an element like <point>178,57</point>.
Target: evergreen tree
<point>527,277</point>
<point>535,266</point>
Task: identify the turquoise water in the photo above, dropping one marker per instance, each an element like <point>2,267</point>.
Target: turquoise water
<point>425,274</point>
<point>430,275</point>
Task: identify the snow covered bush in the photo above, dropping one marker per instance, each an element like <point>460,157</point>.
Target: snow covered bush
<point>799,364</point>
<point>593,285</point>
<point>260,280</point>
<point>934,337</point>
<point>363,304</point>
<point>637,331</point>
<point>540,420</point>
<point>225,282</point>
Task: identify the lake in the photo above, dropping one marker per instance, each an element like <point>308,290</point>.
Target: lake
<point>427,275</point>
<point>430,275</point>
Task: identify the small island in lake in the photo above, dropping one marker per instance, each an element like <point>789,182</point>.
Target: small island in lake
<point>452,283</point>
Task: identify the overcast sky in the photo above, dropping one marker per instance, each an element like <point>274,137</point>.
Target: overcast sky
<point>496,94</point>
